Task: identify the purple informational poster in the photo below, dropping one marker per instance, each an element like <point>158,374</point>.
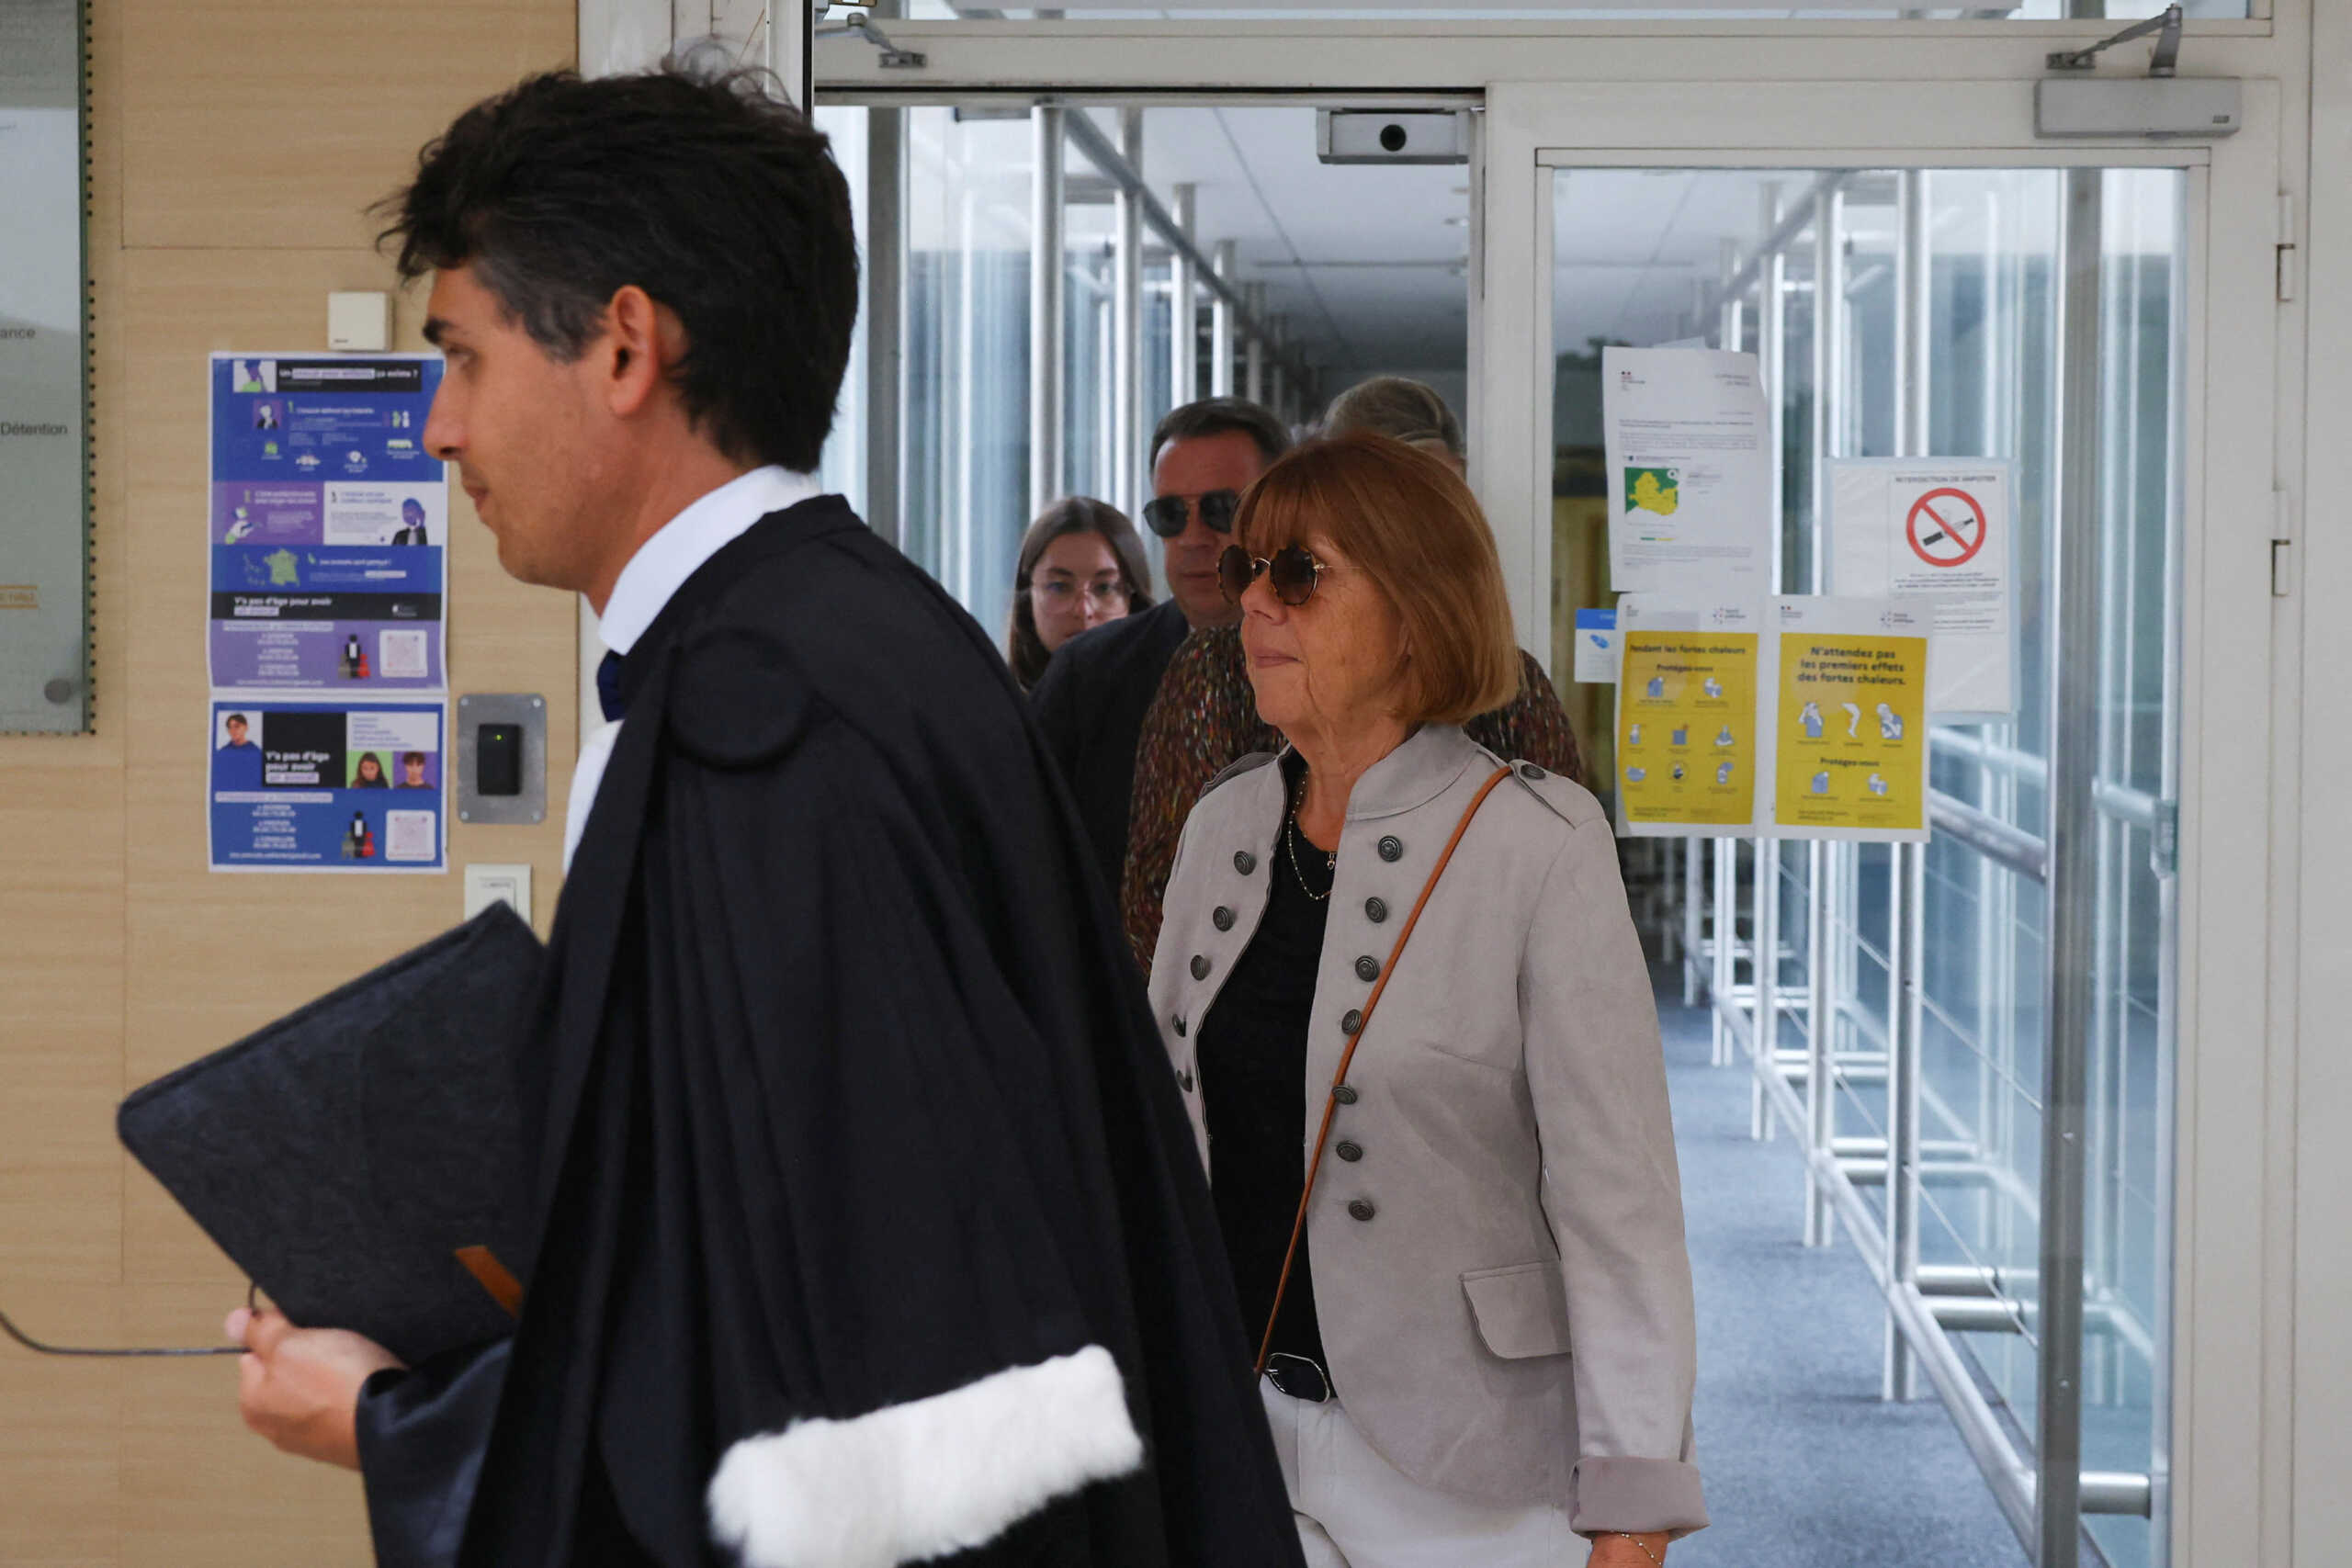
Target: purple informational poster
<point>325,544</point>
<point>325,786</point>
<point>328,525</point>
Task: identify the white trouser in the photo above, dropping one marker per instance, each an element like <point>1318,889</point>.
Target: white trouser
<point>1356,1510</point>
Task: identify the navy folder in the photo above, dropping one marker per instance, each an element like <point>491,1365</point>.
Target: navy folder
<point>345,1155</point>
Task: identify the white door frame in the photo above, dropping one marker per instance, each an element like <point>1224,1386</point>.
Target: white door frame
<point>2225,1053</point>
<point>1352,54</point>
<point>2253,1262</point>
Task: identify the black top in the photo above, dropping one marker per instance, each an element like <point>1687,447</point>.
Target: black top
<point>1091,704</point>
<point>1253,1073</point>
<point>846,1098</point>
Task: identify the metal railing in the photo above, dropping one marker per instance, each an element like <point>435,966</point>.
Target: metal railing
<point>1863,1064</point>
<point>1927,1303</point>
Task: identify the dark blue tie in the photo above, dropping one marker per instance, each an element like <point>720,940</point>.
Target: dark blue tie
<point>608,686</point>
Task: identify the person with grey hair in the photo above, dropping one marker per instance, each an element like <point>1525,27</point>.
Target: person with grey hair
<point>1403,409</point>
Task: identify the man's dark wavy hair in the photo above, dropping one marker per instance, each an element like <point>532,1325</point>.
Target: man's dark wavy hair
<point>718,200</point>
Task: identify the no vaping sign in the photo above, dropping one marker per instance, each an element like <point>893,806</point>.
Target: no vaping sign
<point>1947,527</point>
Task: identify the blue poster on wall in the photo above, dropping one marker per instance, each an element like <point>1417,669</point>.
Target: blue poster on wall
<point>328,525</point>
<point>322,786</point>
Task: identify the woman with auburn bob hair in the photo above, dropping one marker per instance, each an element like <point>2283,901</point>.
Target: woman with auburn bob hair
<point>1204,718</point>
<point>1390,949</point>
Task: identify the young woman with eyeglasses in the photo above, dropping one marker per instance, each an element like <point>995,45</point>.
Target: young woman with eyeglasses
<point>1082,564</point>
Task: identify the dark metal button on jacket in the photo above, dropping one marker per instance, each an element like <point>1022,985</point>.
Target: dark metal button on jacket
<point>1345,1094</point>
<point>1179,1022</point>
<point>1367,967</point>
<point>1222,918</point>
<point>1348,1150</point>
<point>1200,968</point>
<point>1375,910</point>
<point>1361,1209</point>
<point>1392,848</point>
<point>1244,862</point>
<point>1351,1021</point>
<point>1529,770</point>
<point>1184,1080</point>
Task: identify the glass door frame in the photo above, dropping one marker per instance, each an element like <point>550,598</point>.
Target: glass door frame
<point>2229,380</point>
<point>2248,1245</point>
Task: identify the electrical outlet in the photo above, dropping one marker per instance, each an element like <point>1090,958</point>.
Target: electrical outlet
<point>488,885</point>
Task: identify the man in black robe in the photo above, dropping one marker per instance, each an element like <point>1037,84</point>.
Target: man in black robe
<point>869,1226</point>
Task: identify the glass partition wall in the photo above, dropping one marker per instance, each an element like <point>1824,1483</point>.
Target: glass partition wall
<point>1896,1004</point>
<point>965,265</point>
<point>975,444</point>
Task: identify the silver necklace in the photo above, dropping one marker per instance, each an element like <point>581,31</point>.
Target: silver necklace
<point>1289,839</point>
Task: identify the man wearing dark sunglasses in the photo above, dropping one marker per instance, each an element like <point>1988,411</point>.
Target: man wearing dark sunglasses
<point>1091,700</point>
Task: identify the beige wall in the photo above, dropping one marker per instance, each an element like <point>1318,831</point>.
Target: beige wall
<point>236,148</point>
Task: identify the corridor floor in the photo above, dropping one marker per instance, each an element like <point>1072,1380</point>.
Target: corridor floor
<point>1805,1467</point>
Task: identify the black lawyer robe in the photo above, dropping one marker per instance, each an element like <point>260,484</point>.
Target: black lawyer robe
<point>421,1431</point>
<point>852,1116</point>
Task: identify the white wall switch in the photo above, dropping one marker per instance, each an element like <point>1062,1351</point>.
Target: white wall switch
<point>359,322</point>
<point>488,885</point>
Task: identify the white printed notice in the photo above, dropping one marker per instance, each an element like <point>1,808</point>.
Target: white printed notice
<point>1941,531</point>
<point>1687,434</point>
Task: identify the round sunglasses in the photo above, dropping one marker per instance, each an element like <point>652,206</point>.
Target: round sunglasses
<point>1292,573</point>
<point>1166,514</point>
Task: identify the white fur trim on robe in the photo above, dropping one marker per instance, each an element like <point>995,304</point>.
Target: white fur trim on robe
<point>930,1476</point>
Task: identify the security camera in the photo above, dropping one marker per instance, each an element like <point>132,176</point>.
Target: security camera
<point>1392,136</point>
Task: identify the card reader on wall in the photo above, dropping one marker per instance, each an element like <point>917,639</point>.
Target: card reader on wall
<point>498,758</point>
<point>502,758</point>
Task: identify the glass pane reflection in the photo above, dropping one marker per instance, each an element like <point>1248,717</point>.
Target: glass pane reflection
<point>1644,257</point>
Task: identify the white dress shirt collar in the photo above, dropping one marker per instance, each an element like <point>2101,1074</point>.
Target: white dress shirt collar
<point>663,562</point>
<point>658,570</point>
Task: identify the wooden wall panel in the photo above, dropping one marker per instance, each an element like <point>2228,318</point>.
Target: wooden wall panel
<point>60,1429</point>
<point>62,902</point>
<point>270,127</point>
<point>199,1492</point>
<point>235,146</point>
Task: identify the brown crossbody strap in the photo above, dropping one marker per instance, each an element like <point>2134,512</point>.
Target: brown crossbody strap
<point>1331,1101</point>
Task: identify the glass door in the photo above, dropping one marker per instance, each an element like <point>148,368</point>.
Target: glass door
<point>1976,1047</point>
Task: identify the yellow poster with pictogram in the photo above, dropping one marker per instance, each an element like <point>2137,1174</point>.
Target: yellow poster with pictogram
<point>1850,719</point>
<point>1686,719</point>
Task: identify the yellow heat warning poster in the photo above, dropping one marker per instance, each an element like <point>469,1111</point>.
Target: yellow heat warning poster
<point>1686,726</point>
<point>1850,723</point>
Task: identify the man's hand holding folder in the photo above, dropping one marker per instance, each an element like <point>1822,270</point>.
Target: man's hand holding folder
<point>359,1160</point>
<point>299,1387</point>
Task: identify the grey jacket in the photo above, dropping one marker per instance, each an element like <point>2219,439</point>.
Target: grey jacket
<point>1500,1267</point>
